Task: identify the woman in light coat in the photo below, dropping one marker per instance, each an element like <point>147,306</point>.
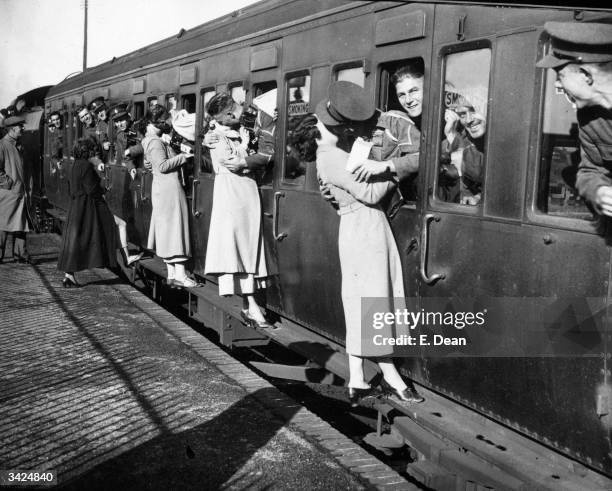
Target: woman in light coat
<point>169,229</point>
<point>235,250</point>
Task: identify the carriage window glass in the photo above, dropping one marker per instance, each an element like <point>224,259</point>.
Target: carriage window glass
<point>205,161</point>
<point>151,101</point>
<point>464,122</point>
<point>298,106</point>
<point>355,75</point>
<point>262,125</point>
<point>138,112</point>
<point>238,94</point>
<point>188,103</point>
<point>559,156</point>
<point>171,103</point>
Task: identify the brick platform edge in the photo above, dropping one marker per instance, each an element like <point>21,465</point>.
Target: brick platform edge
<point>345,451</point>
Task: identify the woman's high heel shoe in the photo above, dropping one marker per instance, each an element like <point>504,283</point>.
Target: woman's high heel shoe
<point>356,394</point>
<point>254,323</point>
<point>70,283</point>
<point>408,395</point>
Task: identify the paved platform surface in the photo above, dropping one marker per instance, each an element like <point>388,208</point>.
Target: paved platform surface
<point>108,389</point>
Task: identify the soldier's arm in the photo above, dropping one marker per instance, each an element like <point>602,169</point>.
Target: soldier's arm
<point>593,180</point>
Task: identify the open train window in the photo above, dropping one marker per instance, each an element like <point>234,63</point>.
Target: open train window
<point>298,105</point>
<point>264,128</point>
<point>138,110</point>
<point>188,102</point>
<point>462,162</point>
<point>205,161</point>
<point>559,156</point>
<point>398,134</point>
<point>171,103</point>
<point>351,73</point>
<point>151,101</point>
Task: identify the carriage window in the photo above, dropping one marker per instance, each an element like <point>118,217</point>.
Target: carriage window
<point>398,131</point>
<point>171,103</point>
<point>298,105</point>
<point>355,75</point>
<point>138,112</point>
<point>559,156</point>
<point>151,101</point>
<point>238,94</point>
<point>188,102</point>
<point>264,129</point>
<point>464,123</point>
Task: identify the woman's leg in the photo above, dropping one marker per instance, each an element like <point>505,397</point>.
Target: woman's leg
<point>254,308</point>
<point>356,376</point>
<point>180,276</point>
<point>391,375</point>
<point>171,271</point>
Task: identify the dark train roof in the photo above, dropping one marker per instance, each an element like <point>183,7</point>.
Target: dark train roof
<point>34,97</point>
<point>250,20</point>
<point>244,22</point>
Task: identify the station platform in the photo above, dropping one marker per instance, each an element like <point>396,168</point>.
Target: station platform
<point>110,391</point>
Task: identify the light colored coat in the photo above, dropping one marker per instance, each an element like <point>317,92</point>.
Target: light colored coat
<point>169,229</point>
<point>13,205</point>
<point>369,259</point>
<point>235,239</point>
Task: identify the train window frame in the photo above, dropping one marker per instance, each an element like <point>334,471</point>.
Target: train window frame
<point>239,84</point>
<point>205,166</point>
<point>438,128</point>
<point>136,104</point>
<point>383,95</point>
<point>350,65</point>
<point>533,212</point>
<point>298,183</point>
<point>185,97</point>
<point>267,180</point>
<point>167,98</point>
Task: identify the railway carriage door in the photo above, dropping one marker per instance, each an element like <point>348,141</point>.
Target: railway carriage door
<point>305,227</point>
<point>202,189</point>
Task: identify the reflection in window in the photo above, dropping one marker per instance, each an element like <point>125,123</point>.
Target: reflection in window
<point>462,162</point>
<point>355,75</point>
<point>298,105</point>
<point>559,156</point>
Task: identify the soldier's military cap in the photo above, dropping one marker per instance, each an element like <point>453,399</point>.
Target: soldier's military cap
<point>119,112</point>
<point>577,42</point>
<point>346,102</point>
<point>14,121</point>
<point>97,105</point>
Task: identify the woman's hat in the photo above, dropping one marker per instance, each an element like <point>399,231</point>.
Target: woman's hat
<point>347,102</point>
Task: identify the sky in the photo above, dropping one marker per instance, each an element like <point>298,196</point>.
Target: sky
<point>41,41</point>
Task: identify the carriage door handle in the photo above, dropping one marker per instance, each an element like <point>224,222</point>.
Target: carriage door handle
<point>424,248</point>
<point>194,198</point>
<point>277,196</point>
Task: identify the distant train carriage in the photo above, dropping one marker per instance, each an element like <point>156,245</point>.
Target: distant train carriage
<point>528,237</point>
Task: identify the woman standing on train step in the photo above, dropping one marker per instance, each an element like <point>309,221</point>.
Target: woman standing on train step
<point>89,239</point>
<point>235,250</point>
<point>369,259</point>
<point>169,229</point>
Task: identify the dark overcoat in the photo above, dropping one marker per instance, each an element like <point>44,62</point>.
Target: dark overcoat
<point>89,239</point>
<point>13,201</point>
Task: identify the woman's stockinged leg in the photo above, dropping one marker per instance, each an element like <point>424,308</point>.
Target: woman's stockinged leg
<point>254,308</point>
<point>356,376</point>
<point>391,375</point>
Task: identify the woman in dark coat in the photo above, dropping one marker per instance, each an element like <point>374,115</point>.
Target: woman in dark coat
<point>89,239</point>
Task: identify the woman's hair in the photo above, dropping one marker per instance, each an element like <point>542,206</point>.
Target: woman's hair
<point>414,69</point>
<point>84,148</point>
<point>140,126</point>
<point>303,137</point>
<point>218,103</point>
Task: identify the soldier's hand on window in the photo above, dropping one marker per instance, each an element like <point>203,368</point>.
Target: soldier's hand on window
<point>471,200</point>
<point>133,174</point>
<point>101,167</point>
<point>451,118</point>
<point>369,168</point>
<point>234,163</point>
<point>210,139</point>
<point>106,146</point>
<point>603,200</point>
<point>327,194</point>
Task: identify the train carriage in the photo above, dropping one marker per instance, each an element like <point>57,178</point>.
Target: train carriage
<point>529,241</point>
